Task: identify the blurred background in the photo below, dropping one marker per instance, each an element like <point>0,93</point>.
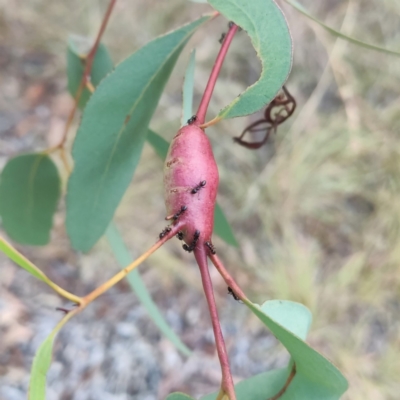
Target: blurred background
<point>316,211</point>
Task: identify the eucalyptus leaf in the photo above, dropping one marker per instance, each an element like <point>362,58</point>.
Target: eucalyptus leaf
<point>269,33</point>
<point>316,378</point>
<point>29,193</point>
<point>22,261</point>
<point>41,363</point>
<point>138,286</point>
<point>179,396</point>
<point>78,49</point>
<point>110,138</point>
<point>222,227</point>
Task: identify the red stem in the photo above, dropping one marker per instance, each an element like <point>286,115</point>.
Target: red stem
<point>227,277</point>
<point>201,113</point>
<point>87,71</point>
<point>227,382</point>
<point>92,53</point>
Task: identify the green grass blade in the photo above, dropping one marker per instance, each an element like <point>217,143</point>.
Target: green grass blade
<point>269,33</point>
<point>41,363</point>
<point>188,89</point>
<point>111,136</point>
<point>123,257</point>
<point>29,193</point>
<point>78,48</point>
<point>334,32</point>
<point>222,227</point>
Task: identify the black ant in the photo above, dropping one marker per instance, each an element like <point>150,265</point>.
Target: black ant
<point>165,231</point>
<point>198,187</point>
<point>221,39</point>
<point>179,235</point>
<point>233,294</point>
<point>192,120</point>
<point>177,215</point>
<point>211,247</point>
<point>193,245</point>
<point>277,112</point>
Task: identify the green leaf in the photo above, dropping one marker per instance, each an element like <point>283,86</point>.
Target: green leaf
<point>316,378</point>
<point>29,193</point>
<point>41,363</point>
<point>269,33</point>
<point>221,224</point>
<point>78,48</point>
<point>179,396</point>
<point>222,227</point>
<point>28,266</point>
<point>124,258</point>
<point>159,144</point>
<point>188,87</point>
<point>110,138</point>
<point>334,32</point>
<point>20,260</point>
<point>259,387</point>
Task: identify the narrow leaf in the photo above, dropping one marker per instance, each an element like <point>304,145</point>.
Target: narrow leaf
<point>78,48</point>
<point>222,227</point>
<point>188,87</point>
<point>221,224</point>
<point>41,363</point>
<point>28,266</point>
<point>20,260</point>
<point>179,396</point>
<point>29,192</point>
<point>334,32</point>
<point>159,144</point>
<point>138,286</point>
<point>266,25</point>
<point>110,139</point>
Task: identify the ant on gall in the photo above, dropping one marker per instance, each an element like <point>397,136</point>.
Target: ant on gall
<point>198,187</point>
<point>190,248</point>
<point>192,120</point>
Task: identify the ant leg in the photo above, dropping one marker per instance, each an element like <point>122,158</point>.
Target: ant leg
<point>192,246</point>
<point>164,232</point>
<point>177,215</point>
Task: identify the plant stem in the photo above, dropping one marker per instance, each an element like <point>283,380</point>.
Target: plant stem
<point>85,81</point>
<point>286,385</point>
<point>201,113</point>
<point>227,386</point>
<point>239,293</point>
<point>123,273</point>
<point>227,277</point>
